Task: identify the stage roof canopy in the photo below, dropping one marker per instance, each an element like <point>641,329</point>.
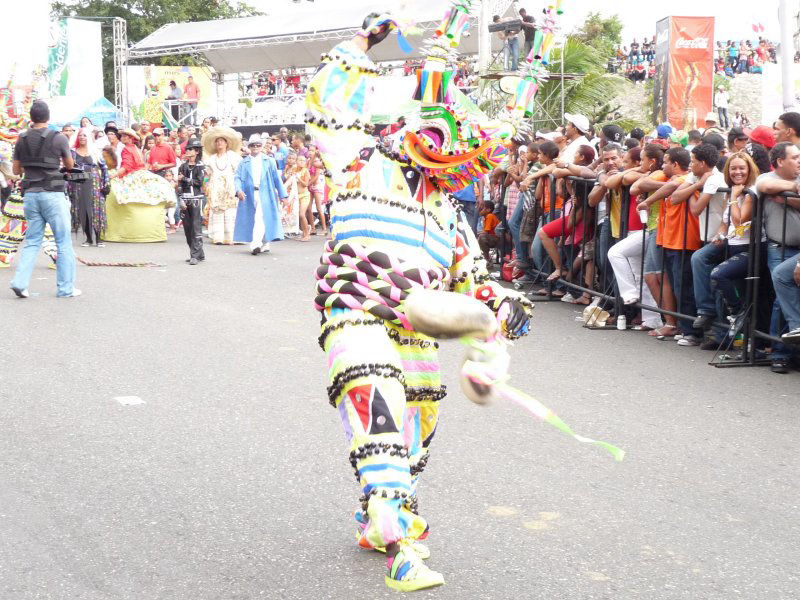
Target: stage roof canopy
<point>293,35</point>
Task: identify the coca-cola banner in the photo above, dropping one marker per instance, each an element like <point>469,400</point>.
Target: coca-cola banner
<point>691,71</point>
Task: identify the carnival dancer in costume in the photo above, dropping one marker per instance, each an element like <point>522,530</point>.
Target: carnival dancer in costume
<point>259,188</point>
<point>38,155</point>
<point>191,175</point>
<point>88,201</point>
<point>221,146</point>
<point>396,230</point>
<point>137,200</point>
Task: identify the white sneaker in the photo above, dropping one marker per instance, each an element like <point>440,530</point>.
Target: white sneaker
<point>689,340</point>
<point>75,293</point>
<point>265,248</point>
<point>568,298</point>
<point>792,337</point>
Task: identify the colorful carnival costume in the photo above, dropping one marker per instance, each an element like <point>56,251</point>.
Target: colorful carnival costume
<point>394,230</point>
<point>87,198</point>
<point>138,198</point>
<point>13,226</point>
<point>221,190</point>
<point>258,220</point>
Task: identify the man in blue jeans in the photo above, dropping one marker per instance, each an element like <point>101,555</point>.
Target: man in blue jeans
<point>38,156</point>
<point>782,252</point>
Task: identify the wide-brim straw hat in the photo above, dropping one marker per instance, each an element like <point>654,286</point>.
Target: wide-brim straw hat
<point>230,135</point>
<point>130,132</point>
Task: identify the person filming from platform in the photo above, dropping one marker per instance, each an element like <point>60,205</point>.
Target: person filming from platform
<point>38,156</point>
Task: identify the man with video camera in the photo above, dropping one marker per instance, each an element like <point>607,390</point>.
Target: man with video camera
<point>40,157</point>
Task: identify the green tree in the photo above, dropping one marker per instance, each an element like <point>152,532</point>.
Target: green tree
<point>604,34</point>
<point>143,18</point>
<point>591,91</point>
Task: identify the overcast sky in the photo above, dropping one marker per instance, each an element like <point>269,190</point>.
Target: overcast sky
<point>26,46</point>
<point>735,17</point>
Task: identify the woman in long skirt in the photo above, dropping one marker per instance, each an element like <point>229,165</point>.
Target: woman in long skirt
<point>88,201</point>
<point>221,145</point>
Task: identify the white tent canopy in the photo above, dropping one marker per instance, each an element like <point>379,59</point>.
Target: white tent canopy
<point>291,36</point>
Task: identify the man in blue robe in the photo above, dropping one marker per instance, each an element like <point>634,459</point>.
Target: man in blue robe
<point>259,188</point>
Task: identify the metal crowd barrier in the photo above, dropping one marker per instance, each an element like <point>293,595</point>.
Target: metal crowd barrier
<point>754,291</point>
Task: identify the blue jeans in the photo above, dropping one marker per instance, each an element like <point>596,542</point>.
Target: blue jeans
<point>514,224</point>
<point>538,253</point>
<point>703,262</point>
<point>513,50</point>
<point>681,281</point>
<point>777,326</point>
<point>471,213</point>
<point>786,290</point>
<point>42,208</point>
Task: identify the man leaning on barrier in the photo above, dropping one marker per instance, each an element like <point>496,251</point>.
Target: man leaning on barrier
<point>783,246</point>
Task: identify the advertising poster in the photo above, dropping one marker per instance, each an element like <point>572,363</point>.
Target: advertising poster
<point>691,70</point>
<point>662,72</point>
<point>148,87</point>
<point>75,59</point>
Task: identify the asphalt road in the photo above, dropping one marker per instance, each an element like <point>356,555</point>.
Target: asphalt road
<point>231,481</point>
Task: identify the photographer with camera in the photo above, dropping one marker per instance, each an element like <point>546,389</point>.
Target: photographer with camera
<point>39,155</point>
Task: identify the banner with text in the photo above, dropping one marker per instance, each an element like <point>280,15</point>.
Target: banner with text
<point>75,59</point>
<point>691,71</point>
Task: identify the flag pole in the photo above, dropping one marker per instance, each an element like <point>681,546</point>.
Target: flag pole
<point>787,62</point>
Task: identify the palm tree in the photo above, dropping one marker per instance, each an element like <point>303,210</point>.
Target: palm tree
<point>588,88</point>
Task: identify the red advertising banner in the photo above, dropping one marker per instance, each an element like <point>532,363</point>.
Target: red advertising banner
<point>691,71</point>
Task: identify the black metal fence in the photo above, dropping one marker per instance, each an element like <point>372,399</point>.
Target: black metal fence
<point>749,324</point>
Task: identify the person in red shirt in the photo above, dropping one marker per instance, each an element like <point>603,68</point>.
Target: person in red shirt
<point>132,159</point>
<point>162,156</point>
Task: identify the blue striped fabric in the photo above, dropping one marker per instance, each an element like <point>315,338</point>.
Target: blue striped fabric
<point>381,467</point>
<point>394,220</point>
<point>363,233</point>
<point>386,484</point>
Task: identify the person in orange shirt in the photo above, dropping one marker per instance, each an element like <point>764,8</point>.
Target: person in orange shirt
<point>679,232</point>
<point>487,239</point>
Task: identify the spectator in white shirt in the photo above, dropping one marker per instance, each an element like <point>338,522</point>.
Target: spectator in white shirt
<point>721,102</point>
<point>577,128</point>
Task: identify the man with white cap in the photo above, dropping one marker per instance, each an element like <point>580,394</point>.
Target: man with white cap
<point>259,187</point>
<point>576,130</point>
<point>162,156</point>
<point>711,124</point>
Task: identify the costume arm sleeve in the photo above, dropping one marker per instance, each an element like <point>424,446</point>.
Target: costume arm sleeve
<point>337,105</point>
<point>276,179</point>
<point>238,179</point>
<point>468,274</point>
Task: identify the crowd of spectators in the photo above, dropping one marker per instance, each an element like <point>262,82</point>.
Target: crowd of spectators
<point>637,61</point>
<point>282,82</point>
<point>674,265</point>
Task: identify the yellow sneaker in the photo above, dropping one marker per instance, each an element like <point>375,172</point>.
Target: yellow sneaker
<point>407,572</point>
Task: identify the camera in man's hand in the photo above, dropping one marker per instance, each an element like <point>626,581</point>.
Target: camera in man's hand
<point>75,175</point>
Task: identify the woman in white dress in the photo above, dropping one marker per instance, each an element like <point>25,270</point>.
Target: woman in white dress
<point>221,145</point>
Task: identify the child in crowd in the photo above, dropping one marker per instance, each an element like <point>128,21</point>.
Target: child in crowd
<point>487,239</point>
<point>190,177</point>
<point>170,177</point>
<point>303,179</point>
